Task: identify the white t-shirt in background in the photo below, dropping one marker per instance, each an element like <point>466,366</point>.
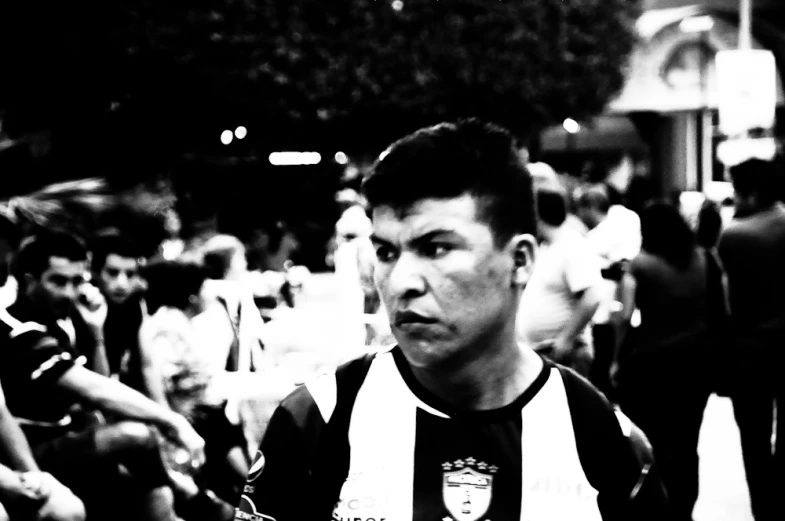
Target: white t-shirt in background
<point>563,269</point>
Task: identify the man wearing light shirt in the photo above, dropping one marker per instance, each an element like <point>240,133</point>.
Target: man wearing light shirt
<point>614,233</point>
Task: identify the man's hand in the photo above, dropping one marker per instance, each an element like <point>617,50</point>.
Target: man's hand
<point>181,432</point>
<point>92,306</point>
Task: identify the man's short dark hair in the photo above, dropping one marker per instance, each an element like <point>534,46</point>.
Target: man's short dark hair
<point>758,178</point>
<point>34,254</point>
<point>172,283</point>
<point>112,243</point>
<point>551,207</point>
<point>452,159</point>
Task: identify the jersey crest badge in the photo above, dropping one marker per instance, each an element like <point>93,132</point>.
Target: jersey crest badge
<point>467,488</point>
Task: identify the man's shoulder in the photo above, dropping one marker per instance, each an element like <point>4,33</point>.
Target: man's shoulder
<point>321,393</point>
<point>14,324</point>
<point>582,395</point>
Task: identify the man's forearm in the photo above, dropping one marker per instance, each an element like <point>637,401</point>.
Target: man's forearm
<point>110,395</point>
<point>15,444</point>
<point>100,359</point>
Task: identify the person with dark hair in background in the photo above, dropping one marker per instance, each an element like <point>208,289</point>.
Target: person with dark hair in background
<point>45,379</point>
<point>187,362</point>
<point>458,420</point>
<point>752,250</point>
<point>50,270</point>
<point>661,377</point>
<point>563,293</point>
<point>115,264</point>
<point>615,235</point>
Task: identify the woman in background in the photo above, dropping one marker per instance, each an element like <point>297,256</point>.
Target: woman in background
<point>661,378</point>
<point>186,362</point>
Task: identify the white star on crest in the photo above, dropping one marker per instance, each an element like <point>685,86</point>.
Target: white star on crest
<point>470,461</point>
<point>459,463</point>
<point>482,465</point>
<point>447,466</point>
<point>493,469</point>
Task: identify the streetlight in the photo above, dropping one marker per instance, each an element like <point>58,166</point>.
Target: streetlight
<point>341,158</point>
<point>572,128</point>
<point>226,137</point>
<point>240,132</point>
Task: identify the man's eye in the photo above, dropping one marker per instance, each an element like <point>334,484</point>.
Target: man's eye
<point>435,249</point>
<point>384,254</point>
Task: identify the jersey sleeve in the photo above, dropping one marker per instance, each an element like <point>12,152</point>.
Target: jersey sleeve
<point>279,484</point>
<point>40,357</point>
<point>615,456</point>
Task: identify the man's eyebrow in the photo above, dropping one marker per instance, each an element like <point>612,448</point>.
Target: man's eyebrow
<point>378,240</point>
<point>433,234</point>
<point>428,236</point>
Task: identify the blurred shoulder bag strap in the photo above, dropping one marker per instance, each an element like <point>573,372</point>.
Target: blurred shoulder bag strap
<point>233,359</point>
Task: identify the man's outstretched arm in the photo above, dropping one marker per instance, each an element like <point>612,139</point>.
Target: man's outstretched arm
<point>110,395</point>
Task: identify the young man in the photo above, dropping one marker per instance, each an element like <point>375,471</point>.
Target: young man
<point>53,292</point>
<point>564,291</point>
<point>115,265</point>
<point>45,379</point>
<point>752,250</point>
<point>458,421</point>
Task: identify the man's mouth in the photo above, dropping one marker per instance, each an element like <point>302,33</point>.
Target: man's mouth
<point>403,318</point>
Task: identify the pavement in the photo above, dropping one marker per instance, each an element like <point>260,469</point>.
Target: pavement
<point>723,492</point>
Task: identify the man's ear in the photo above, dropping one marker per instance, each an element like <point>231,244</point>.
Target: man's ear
<point>524,251</point>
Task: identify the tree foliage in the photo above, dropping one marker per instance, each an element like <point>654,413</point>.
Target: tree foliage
<point>350,72</point>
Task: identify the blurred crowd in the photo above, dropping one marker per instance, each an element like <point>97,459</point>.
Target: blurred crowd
<point>123,373</point>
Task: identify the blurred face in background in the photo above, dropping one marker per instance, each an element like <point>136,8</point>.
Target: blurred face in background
<point>119,278</point>
<point>58,287</point>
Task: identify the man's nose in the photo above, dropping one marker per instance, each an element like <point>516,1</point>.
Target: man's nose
<point>406,278</point>
<point>123,280</point>
<point>71,291</point>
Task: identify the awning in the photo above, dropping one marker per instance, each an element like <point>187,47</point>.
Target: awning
<point>602,133</point>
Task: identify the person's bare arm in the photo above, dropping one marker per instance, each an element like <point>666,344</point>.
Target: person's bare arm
<point>152,377</point>
<point>110,395</point>
<point>13,441</point>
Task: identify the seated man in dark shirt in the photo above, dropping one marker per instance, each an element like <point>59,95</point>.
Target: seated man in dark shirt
<point>106,465</point>
<point>115,264</point>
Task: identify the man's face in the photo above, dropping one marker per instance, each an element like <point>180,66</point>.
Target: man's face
<point>445,284</point>
<point>119,278</point>
<point>57,289</point>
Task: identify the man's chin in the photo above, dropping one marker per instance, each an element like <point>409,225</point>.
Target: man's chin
<point>118,299</point>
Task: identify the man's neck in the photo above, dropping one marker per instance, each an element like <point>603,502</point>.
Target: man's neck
<point>484,383</point>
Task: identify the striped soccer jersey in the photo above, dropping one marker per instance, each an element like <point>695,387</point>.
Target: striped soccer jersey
<point>373,445</point>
